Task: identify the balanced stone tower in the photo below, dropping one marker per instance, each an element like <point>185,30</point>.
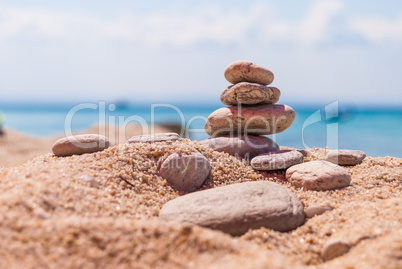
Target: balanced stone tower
<point>252,113</point>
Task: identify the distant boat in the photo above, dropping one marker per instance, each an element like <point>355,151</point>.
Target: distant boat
<point>122,105</point>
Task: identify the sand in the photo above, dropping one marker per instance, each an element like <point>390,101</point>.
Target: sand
<point>16,148</point>
<point>52,217</point>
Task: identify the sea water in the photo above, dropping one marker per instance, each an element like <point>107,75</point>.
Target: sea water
<point>375,130</point>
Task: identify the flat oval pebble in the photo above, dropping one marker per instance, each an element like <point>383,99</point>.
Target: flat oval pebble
<point>251,120</point>
<point>318,175</point>
<point>244,146</point>
<point>236,208</point>
<point>185,172</point>
<point>334,248</point>
<point>315,210</point>
<point>245,71</point>
<point>80,144</point>
<point>152,138</point>
<point>345,156</point>
<point>250,94</point>
<point>277,160</point>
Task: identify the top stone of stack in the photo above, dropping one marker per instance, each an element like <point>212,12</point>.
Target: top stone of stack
<point>245,71</point>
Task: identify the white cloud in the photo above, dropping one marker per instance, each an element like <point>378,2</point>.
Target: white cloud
<point>314,28</point>
<point>378,29</point>
<point>36,23</point>
<point>311,29</point>
<point>210,23</point>
<point>260,23</point>
<point>204,24</point>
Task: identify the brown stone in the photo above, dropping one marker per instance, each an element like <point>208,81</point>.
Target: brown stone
<point>243,146</point>
<point>245,71</point>
<point>277,160</point>
<point>334,248</point>
<point>345,156</point>
<point>318,175</point>
<point>254,120</point>
<point>80,144</point>
<point>185,172</point>
<point>236,208</point>
<point>250,94</point>
<point>152,138</point>
<point>315,210</point>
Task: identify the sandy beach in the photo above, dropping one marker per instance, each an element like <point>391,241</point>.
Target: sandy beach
<point>16,148</point>
<point>53,217</point>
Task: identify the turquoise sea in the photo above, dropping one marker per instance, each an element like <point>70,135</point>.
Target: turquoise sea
<point>374,129</point>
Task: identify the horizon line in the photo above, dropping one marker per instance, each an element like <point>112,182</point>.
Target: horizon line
<point>204,103</point>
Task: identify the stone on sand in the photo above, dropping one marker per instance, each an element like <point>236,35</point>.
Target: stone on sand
<point>334,248</point>
<point>254,120</point>
<point>245,71</point>
<point>236,208</point>
<point>249,94</point>
<point>277,160</point>
<point>318,175</point>
<point>185,172</point>
<point>151,138</point>
<point>345,156</point>
<point>80,144</point>
<point>245,146</point>
<point>315,210</point>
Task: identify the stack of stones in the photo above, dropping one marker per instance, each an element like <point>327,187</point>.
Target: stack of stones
<point>252,113</point>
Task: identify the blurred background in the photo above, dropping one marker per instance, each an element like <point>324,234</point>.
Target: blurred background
<point>57,54</point>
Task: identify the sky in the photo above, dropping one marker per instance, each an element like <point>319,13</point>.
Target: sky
<point>177,51</point>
